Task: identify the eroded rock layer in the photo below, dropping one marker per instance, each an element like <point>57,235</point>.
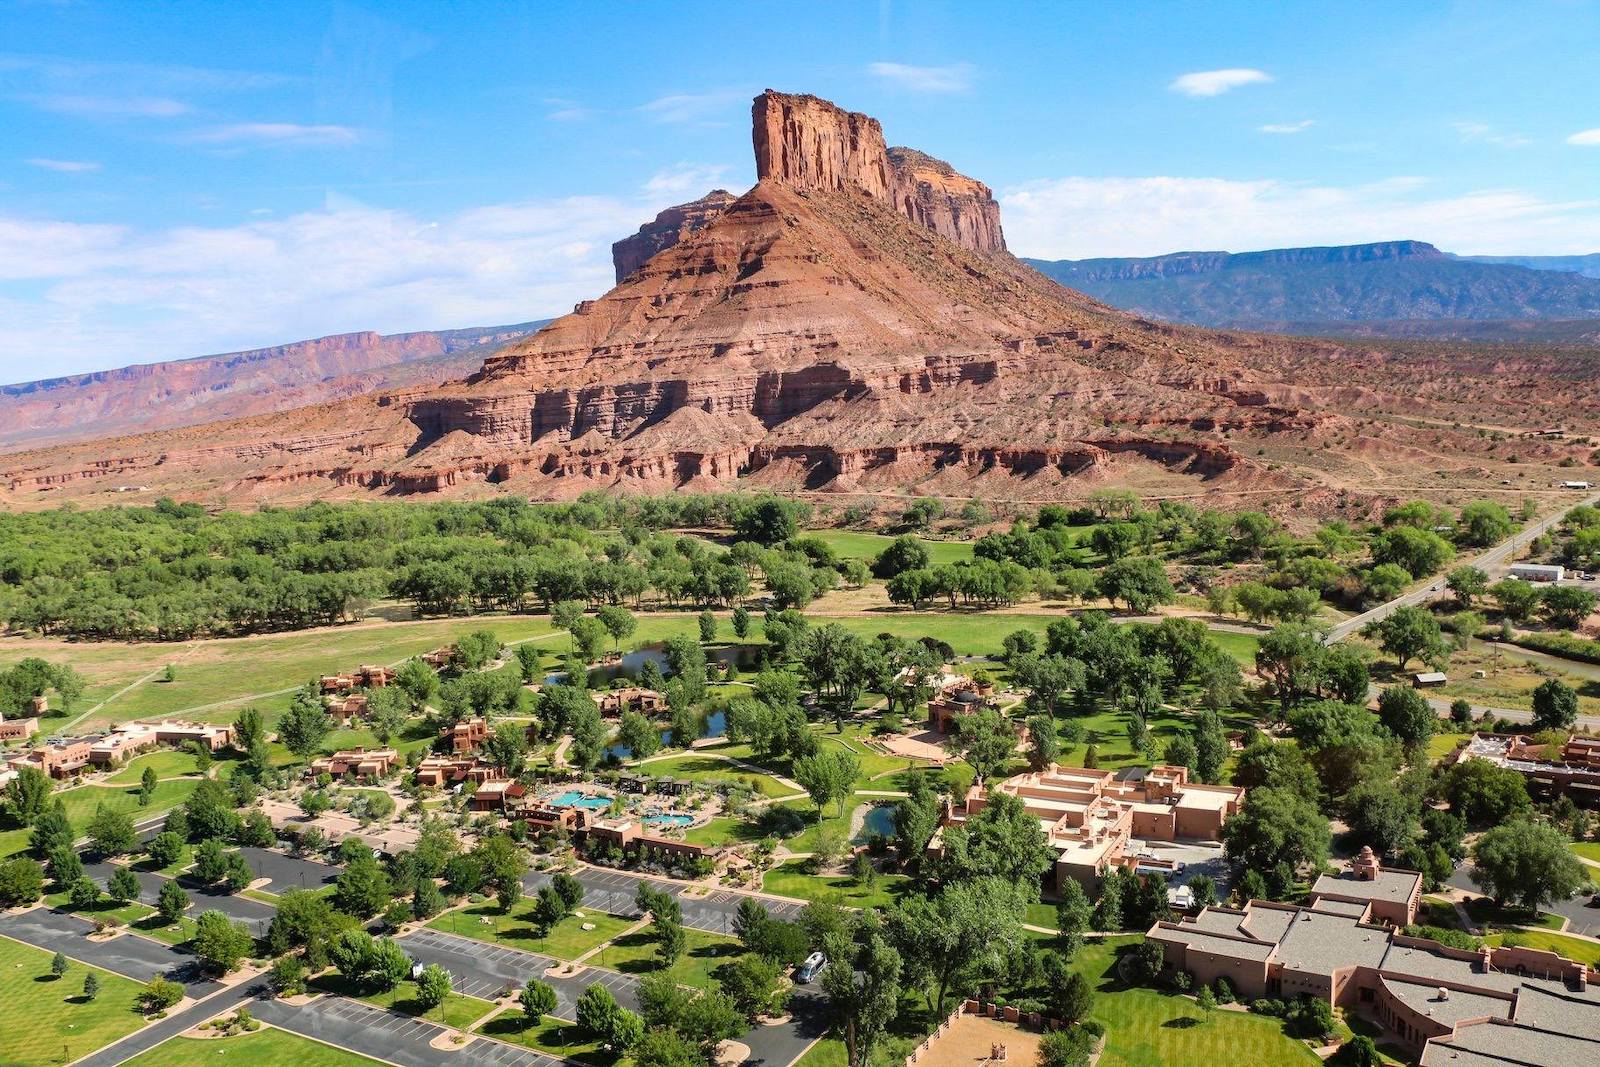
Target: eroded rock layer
<point>852,324</point>
<point>667,229</point>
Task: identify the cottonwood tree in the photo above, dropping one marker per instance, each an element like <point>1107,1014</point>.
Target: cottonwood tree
<point>1526,863</point>
<point>966,925</point>
<point>827,777</point>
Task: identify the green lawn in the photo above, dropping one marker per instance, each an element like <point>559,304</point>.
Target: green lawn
<point>555,1036</point>
<point>45,1017</point>
<point>167,763</point>
<point>264,1048</point>
<point>105,909</point>
<point>567,940</point>
<point>1484,912</point>
<point>179,933</point>
<point>458,1010</point>
<point>705,771</point>
<point>1145,1028</point>
<point>81,802</point>
<point>829,1052</point>
<point>1589,850</point>
<point>1574,948</point>
<point>855,544</point>
<point>636,954</point>
<point>791,880</point>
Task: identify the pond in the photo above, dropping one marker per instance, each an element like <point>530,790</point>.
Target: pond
<point>716,725</point>
<point>879,820</point>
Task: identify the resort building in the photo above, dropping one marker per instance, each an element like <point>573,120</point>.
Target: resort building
<point>1091,818</point>
<point>613,702</point>
<point>17,729</point>
<point>1500,1005</point>
<point>466,735</point>
<point>364,763</point>
<point>365,676</point>
<point>345,707</point>
<point>1574,770</point>
<point>630,835</point>
<point>955,695</point>
<point>436,772</point>
<point>500,794</point>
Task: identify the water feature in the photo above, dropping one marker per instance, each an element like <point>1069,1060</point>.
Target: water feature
<point>669,820</point>
<point>574,799</point>
<point>715,725</point>
<point>879,820</point>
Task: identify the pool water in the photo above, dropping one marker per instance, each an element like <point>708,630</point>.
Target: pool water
<point>669,820</point>
<point>574,799</point>
<point>879,820</point>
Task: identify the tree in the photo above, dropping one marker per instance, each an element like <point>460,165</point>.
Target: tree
<point>433,986</point>
<point>1555,706</point>
<point>1072,1000</point>
<point>1276,826</point>
<point>250,740</point>
<point>1139,582</point>
<point>159,995</point>
<point>640,736</point>
<point>83,894</point>
<point>65,866</point>
<point>305,725</point>
<point>1211,749</point>
<point>1483,793</point>
<point>58,964</point>
<point>1407,714</point>
<point>1526,863</point>
<point>752,982</point>
<point>91,986</point>
<point>1065,1048</point>
<point>210,863</point>
<point>1483,523</point>
<point>862,983</point>
<point>1408,633</point>
<point>965,923</point>
<point>597,1011</point>
<point>388,711</point>
<point>418,681</point>
<point>538,1000</point>
<point>28,795</point>
<point>220,943</point>
<point>1003,840</point>
<point>827,776</point>
<point>1468,584</point>
<point>588,735</point>
<point>123,886</point>
<point>1073,916</point>
<point>986,741</point>
<point>236,874</point>
<point>21,882</point>
<point>1516,598</point>
<point>1566,606</point>
<point>363,888</point>
<point>767,521</point>
<point>111,832</point>
<point>1420,552</point>
<point>164,849</point>
<point>1380,815</point>
<point>171,902</point>
<point>506,747</point>
<point>1291,658</point>
<point>1044,746</point>
<point>899,556</point>
<point>148,781</point>
<point>665,1048</point>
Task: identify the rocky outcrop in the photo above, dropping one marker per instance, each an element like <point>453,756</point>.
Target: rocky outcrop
<point>853,324</point>
<point>666,230</point>
<point>928,191</point>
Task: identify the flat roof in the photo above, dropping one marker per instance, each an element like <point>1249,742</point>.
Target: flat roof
<point>1187,933</point>
<point>1396,886</point>
<point>1318,943</point>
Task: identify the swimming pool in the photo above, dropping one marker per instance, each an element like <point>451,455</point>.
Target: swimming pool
<point>574,799</point>
<point>669,820</point>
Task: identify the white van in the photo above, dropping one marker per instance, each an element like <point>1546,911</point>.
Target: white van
<point>809,968</point>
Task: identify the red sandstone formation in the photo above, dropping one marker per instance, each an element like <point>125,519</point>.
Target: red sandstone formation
<point>852,324</point>
<point>666,230</point>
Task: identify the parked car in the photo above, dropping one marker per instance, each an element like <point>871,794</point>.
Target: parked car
<point>810,967</point>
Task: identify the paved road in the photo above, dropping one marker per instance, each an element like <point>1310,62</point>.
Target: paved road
<point>221,1002</point>
<point>1500,554</point>
<point>252,913</point>
<point>398,1039</point>
<point>1582,917</point>
<point>130,956</point>
<point>287,872</point>
<point>613,891</point>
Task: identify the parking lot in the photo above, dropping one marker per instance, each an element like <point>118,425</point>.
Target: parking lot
<point>489,971</point>
<point>614,892</point>
<point>390,1037</point>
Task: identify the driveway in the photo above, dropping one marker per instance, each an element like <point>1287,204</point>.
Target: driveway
<point>129,955</point>
<point>1582,917</point>
<point>487,971</point>
<point>614,891</point>
<point>383,1035</point>
<point>287,872</point>
<point>252,913</point>
<point>222,1002</point>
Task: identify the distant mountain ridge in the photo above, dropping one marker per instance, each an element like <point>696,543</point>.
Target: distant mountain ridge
<point>1389,281</point>
<point>183,392</point>
<point>1588,266</point>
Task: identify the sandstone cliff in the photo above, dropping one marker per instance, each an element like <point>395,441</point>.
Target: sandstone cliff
<point>852,324</point>
<point>667,229</point>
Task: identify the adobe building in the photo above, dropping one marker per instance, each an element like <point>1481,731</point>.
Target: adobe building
<point>345,708</point>
<point>466,735</point>
<point>59,759</point>
<point>955,695</point>
<point>436,772</point>
<point>1091,817</point>
<point>361,762</point>
<point>1458,1007</point>
<point>629,835</point>
<point>613,702</point>
<point>1574,771</point>
<point>17,729</point>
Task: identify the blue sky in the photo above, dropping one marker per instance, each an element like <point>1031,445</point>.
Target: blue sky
<point>182,178</point>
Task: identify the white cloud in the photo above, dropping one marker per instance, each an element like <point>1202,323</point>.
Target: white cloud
<point>1078,218</point>
<point>107,107</point>
<point>1585,138</point>
<point>274,133</point>
<point>956,78</point>
<point>1483,133</point>
<point>64,166</point>
<point>1287,127</point>
<point>704,108</point>
<point>1217,82</point>
<point>77,297</point>
<point>697,178</point>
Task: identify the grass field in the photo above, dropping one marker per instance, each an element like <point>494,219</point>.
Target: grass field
<point>1589,850</point>
<point>1145,1028</point>
<point>81,802</point>
<point>791,880</point>
<point>855,544</point>
<point>105,909</point>
<point>567,940</point>
<point>167,763</point>
<point>1574,948</point>
<point>706,770</point>
<point>44,1017</point>
<point>266,1047</point>
<point>554,1036</point>
<point>636,954</point>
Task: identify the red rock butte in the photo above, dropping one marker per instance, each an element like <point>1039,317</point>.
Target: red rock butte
<point>852,324</point>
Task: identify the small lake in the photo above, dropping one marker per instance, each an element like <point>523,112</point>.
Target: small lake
<point>879,820</point>
<point>716,725</point>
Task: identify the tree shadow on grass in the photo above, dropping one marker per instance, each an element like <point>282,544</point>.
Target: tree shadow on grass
<point>1182,1022</point>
